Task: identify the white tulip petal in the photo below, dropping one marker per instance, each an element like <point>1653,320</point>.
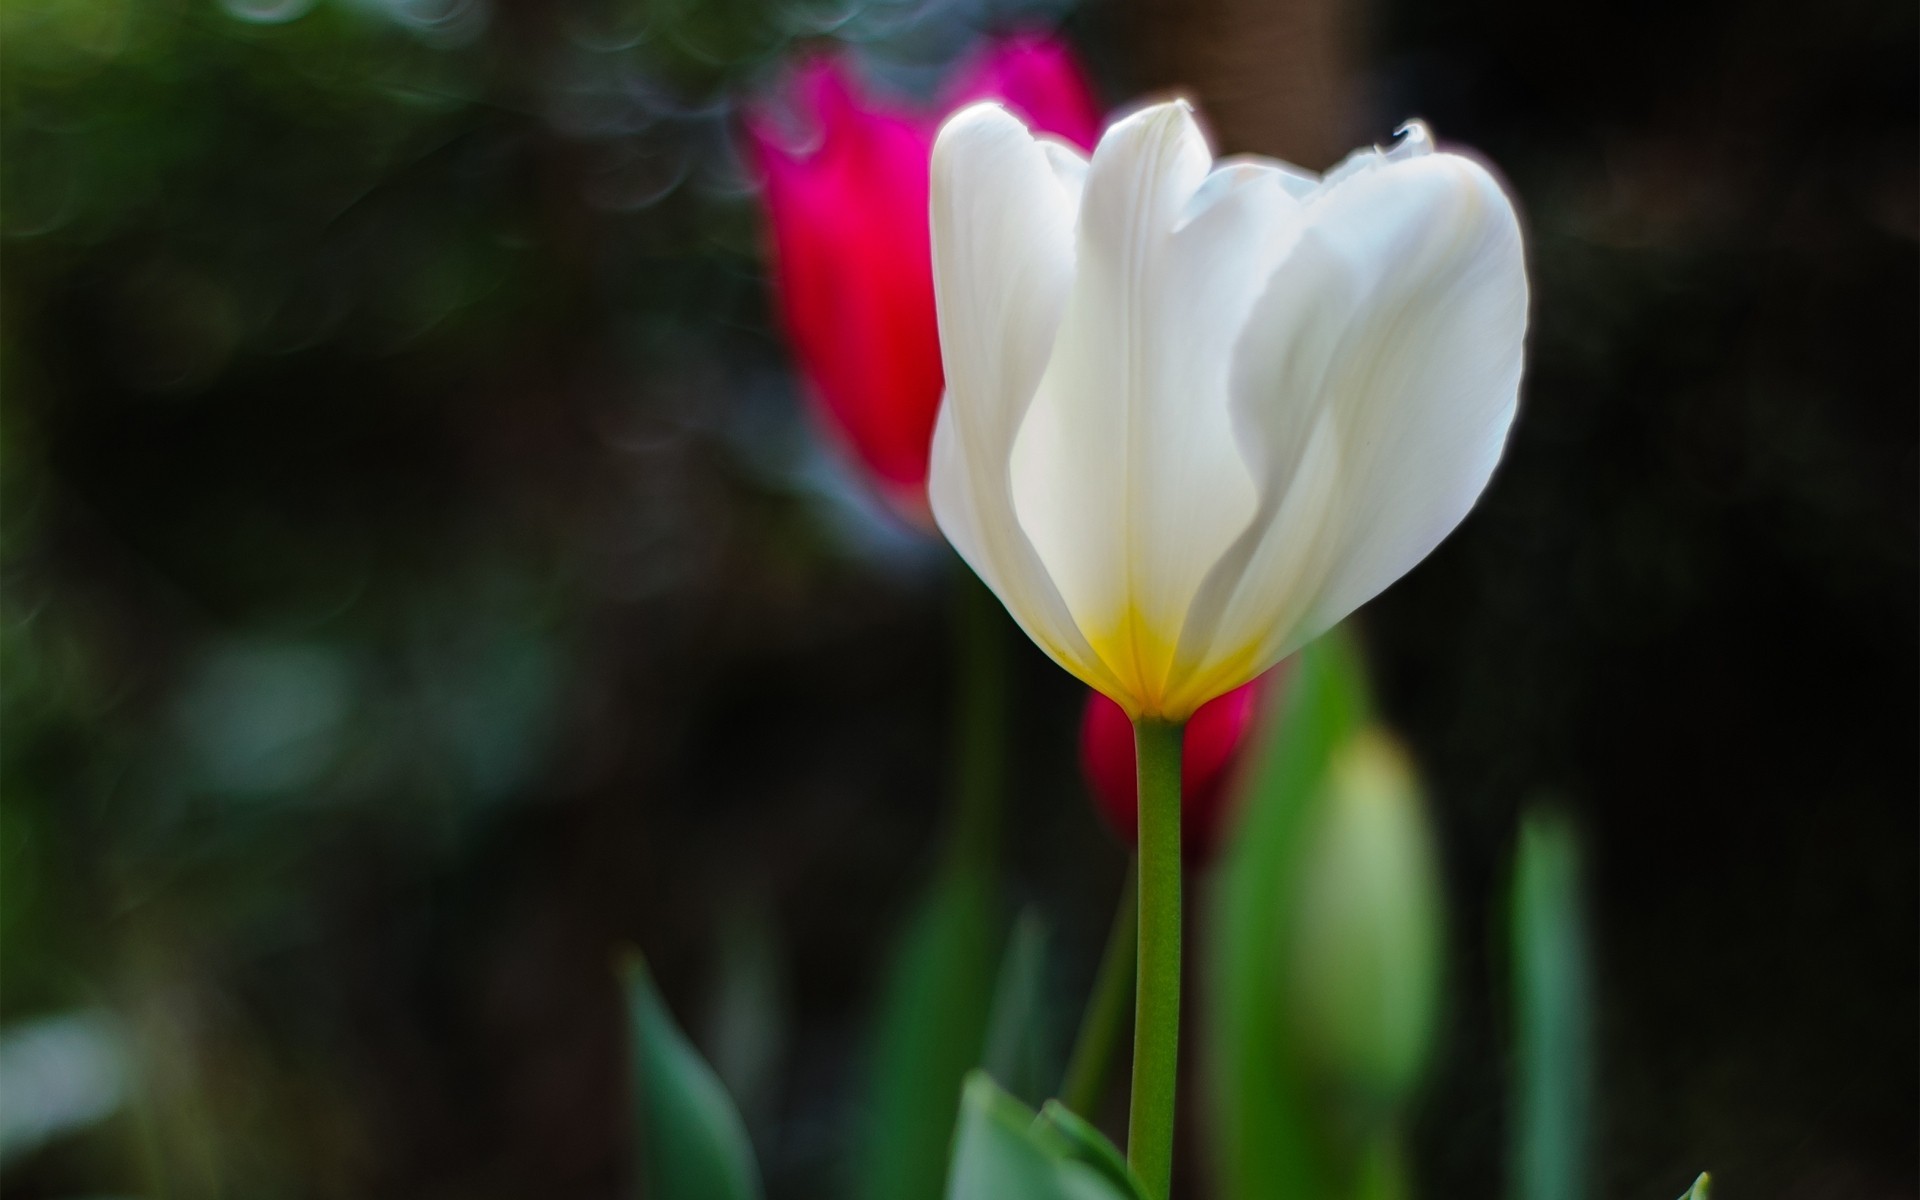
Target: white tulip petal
<point>1127,474</point>
<point>1003,208</point>
<point>1293,535</point>
<point>1069,167</point>
<point>1394,327</point>
<point>1295,182</point>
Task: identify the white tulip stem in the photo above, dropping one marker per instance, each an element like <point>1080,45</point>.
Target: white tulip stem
<point>1156,1012</point>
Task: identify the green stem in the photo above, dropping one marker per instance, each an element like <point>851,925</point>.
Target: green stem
<point>1106,1016</point>
<point>979,726</point>
<point>1156,1011</point>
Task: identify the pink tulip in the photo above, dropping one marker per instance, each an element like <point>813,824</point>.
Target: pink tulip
<point>852,261</point>
<point>1216,737</point>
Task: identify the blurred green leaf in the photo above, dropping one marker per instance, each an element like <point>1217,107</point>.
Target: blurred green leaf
<point>1109,1008</point>
<point>1090,1146</point>
<point>1383,1171</point>
<point>1552,1091</point>
<point>692,1143</point>
<point>747,1027</point>
<point>1019,1051</point>
<point>1001,1151</point>
<point>1699,1189</point>
<point>1262,1140</point>
<point>929,1032</point>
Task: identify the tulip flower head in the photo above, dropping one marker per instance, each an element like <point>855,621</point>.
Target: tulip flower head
<point>1214,740</point>
<point>851,256</point>
<point>1197,413</point>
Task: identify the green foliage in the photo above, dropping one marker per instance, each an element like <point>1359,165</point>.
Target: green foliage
<point>1264,1140</point>
<point>1260,1141</point>
<point>1109,1008</point>
<point>1699,1189</point>
<point>1383,1171</point>
<point>1362,963</point>
<point>1020,1052</point>
<point>1090,1146</point>
<point>1552,1034</point>
<point>691,1142</point>
<point>929,1032</point>
<point>1002,1151</point>
<point>1328,951</point>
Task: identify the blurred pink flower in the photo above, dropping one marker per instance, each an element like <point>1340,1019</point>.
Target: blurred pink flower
<point>852,259</point>
<point>1216,735</point>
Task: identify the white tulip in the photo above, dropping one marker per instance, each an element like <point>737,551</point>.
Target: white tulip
<point>1198,412</point>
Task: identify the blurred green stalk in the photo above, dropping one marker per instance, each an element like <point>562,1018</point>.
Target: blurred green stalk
<point>979,727</point>
<point>1106,1015</point>
<point>931,1024</point>
<point>1156,1013</point>
<point>1553,1088</point>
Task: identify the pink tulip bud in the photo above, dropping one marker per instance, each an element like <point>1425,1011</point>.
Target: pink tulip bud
<point>1216,735</point>
<point>852,259</point>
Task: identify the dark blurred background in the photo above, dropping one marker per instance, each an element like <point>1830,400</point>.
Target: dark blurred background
<point>422,573</point>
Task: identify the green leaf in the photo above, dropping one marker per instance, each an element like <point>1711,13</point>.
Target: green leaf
<point>1699,1189</point>
<point>1553,1087</point>
<point>1090,1146</point>
<point>1264,1140</point>
<point>1383,1171</point>
<point>747,1027</point>
<point>1019,1048</point>
<point>692,1143</point>
<point>930,1028</point>
<point>1001,1151</point>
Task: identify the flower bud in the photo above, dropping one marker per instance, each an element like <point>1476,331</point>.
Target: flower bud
<point>1214,740</point>
<point>1364,948</point>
